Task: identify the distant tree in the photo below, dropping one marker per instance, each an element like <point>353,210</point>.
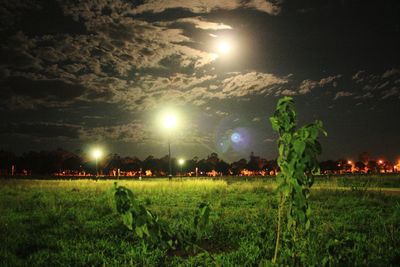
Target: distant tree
<point>372,166</point>
<point>360,166</point>
<point>255,163</point>
<point>157,165</point>
<point>364,157</point>
<point>343,165</point>
<point>43,162</point>
<point>328,166</point>
<point>73,163</point>
<point>191,164</point>
<point>7,159</point>
<point>271,166</point>
<point>213,158</point>
<point>222,167</point>
<point>238,166</point>
<point>112,162</point>
<point>149,163</point>
<point>205,166</point>
<point>130,164</point>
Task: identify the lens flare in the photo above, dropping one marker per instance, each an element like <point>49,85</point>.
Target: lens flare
<point>235,137</point>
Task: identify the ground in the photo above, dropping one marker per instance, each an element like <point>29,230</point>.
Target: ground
<point>355,221</point>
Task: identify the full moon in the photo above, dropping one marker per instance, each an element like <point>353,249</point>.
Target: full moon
<point>224,47</point>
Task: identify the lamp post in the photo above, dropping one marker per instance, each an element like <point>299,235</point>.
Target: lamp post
<point>181,162</point>
<point>97,153</point>
<point>169,123</point>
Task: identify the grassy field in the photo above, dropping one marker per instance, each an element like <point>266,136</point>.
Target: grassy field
<point>73,223</point>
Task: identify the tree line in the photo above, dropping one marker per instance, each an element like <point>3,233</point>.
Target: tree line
<point>61,161</point>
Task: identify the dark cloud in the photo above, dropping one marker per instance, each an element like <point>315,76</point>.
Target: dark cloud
<point>52,90</point>
<point>41,130</point>
<point>37,18</point>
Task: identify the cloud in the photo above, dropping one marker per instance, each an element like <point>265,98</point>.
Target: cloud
<point>221,113</point>
<point>330,80</point>
<point>369,85</point>
<point>181,89</point>
<point>200,23</point>
<point>307,85</point>
<point>394,91</point>
<point>41,129</point>
<point>342,94</point>
<point>287,92</point>
<point>391,72</point>
<point>131,132</point>
<point>358,76</point>
<point>206,6</point>
<point>21,92</point>
<point>105,63</point>
<point>264,6</point>
<point>364,96</point>
<point>251,83</point>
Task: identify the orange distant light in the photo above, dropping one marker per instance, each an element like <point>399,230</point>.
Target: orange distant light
<point>349,162</point>
<point>380,161</point>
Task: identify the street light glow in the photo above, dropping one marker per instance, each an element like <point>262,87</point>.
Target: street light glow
<point>97,153</point>
<point>181,161</point>
<point>170,121</point>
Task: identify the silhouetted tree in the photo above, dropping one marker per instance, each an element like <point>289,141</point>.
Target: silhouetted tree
<point>237,166</point>
<point>372,166</point>
<point>364,157</point>
<point>271,166</point>
<point>222,167</point>
<point>130,164</point>
<point>360,166</point>
<point>7,160</point>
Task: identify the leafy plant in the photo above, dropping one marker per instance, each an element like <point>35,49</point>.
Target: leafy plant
<point>298,150</point>
<point>150,229</point>
<point>201,219</point>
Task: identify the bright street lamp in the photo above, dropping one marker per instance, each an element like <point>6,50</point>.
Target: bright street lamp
<point>181,162</point>
<point>169,122</point>
<point>97,154</point>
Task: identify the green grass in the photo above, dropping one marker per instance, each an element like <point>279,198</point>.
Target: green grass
<point>72,223</point>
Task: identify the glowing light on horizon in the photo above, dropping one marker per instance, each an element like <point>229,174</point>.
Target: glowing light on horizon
<point>181,161</point>
<point>97,153</point>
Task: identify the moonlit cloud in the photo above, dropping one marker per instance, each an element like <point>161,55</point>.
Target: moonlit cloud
<point>252,83</point>
<point>207,6</point>
<point>342,94</point>
<point>205,25</point>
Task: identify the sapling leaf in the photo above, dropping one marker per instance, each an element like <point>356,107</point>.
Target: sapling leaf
<point>298,151</point>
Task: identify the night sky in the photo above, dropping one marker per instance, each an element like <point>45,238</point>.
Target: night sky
<point>76,74</point>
